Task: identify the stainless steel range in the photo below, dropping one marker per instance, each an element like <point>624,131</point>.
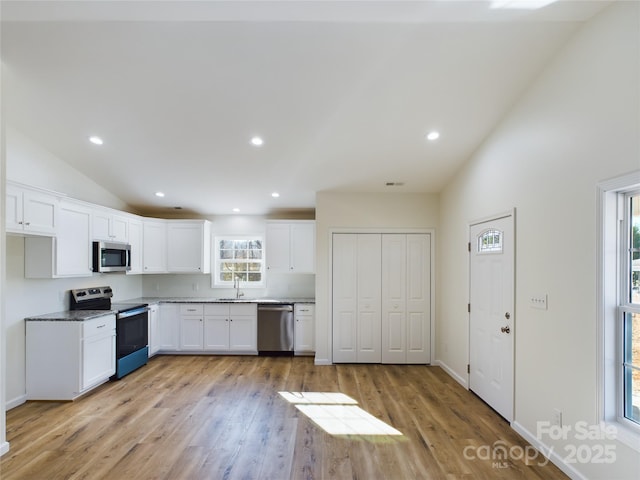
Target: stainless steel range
<point>132,323</point>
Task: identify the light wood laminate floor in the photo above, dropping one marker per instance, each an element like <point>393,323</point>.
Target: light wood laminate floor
<point>221,417</point>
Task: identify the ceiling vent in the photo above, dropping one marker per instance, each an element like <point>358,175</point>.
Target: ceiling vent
<point>394,184</point>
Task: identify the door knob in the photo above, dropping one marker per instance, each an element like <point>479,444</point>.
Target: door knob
<point>505,329</point>
<point>507,315</point>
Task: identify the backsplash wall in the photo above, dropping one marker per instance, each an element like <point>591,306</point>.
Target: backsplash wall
<point>289,285</point>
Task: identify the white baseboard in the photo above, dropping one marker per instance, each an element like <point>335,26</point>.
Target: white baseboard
<point>556,459</point>
<point>322,361</point>
<point>452,373</point>
<point>4,448</point>
<point>16,402</point>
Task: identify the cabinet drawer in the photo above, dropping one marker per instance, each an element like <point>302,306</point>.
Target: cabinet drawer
<point>304,309</point>
<point>191,309</point>
<point>98,325</point>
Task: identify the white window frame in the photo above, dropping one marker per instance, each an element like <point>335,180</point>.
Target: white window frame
<point>611,285</point>
<point>217,261</point>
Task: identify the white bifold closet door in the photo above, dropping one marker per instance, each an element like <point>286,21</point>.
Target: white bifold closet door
<point>381,292</point>
<point>406,298</point>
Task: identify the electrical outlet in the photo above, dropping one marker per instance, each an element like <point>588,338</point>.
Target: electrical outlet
<point>538,301</point>
<point>557,417</point>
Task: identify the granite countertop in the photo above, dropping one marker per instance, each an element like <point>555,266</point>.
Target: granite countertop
<point>82,315</point>
<point>71,316</point>
<point>156,300</point>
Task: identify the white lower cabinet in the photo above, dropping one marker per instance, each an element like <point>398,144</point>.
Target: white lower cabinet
<point>305,325</point>
<point>65,359</point>
<point>218,327</point>
<point>168,327</point>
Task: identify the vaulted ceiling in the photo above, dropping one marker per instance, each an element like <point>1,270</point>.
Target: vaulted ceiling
<point>342,93</point>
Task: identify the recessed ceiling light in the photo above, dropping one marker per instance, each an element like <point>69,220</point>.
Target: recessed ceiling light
<point>96,140</point>
<point>236,210</point>
<point>257,141</point>
<point>433,135</point>
<point>275,194</point>
<point>159,194</point>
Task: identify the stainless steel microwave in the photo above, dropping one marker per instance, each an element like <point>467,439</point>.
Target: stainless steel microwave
<point>111,257</point>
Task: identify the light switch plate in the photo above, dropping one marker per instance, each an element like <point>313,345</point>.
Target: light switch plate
<point>538,300</point>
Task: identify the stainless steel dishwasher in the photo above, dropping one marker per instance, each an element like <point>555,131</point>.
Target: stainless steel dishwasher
<point>275,329</point>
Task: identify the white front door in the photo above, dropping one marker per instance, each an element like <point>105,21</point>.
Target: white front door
<point>492,319</point>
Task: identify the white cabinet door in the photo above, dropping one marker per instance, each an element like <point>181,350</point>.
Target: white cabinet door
<point>277,247</point>
<point>99,360</point>
<point>189,246</point>
<point>74,254</point>
<point>243,328</point>
<point>169,327</point>
<point>304,339</point>
<point>191,326</point>
<point>191,332</point>
<point>119,228</point>
<point>30,212</point>
<point>135,240</point>
<point>109,226</point>
<point>216,332</point>
<point>154,246</point>
<point>303,247</point>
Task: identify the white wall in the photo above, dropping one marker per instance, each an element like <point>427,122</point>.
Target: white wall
<point>31,164</point>
<point>360,210</point>
<point>577,125</point>
<point>4,445</point>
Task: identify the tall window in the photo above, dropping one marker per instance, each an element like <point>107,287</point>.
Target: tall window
<point>618,306</point>
<point>239,258</point>
<point>630,308</point>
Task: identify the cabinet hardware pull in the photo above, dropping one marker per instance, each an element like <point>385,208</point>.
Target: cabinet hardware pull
<point>101,326</point>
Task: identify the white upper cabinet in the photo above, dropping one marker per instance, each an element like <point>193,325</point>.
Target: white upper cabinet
<point>30,212</point>
<point>109,226</point>
<point>69,254</point>
<point>154,246</point>
<point>290,246</point>
<point>189,246</point>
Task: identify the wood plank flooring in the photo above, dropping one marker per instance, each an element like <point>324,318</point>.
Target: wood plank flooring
<point>221,417</point>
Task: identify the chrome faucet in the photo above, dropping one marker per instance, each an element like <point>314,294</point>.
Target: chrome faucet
<point>236,285</point>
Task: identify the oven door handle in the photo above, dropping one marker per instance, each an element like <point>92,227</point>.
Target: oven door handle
<point>131,313</point>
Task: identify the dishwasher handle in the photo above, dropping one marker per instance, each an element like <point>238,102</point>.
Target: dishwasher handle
<point>275,308</point>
